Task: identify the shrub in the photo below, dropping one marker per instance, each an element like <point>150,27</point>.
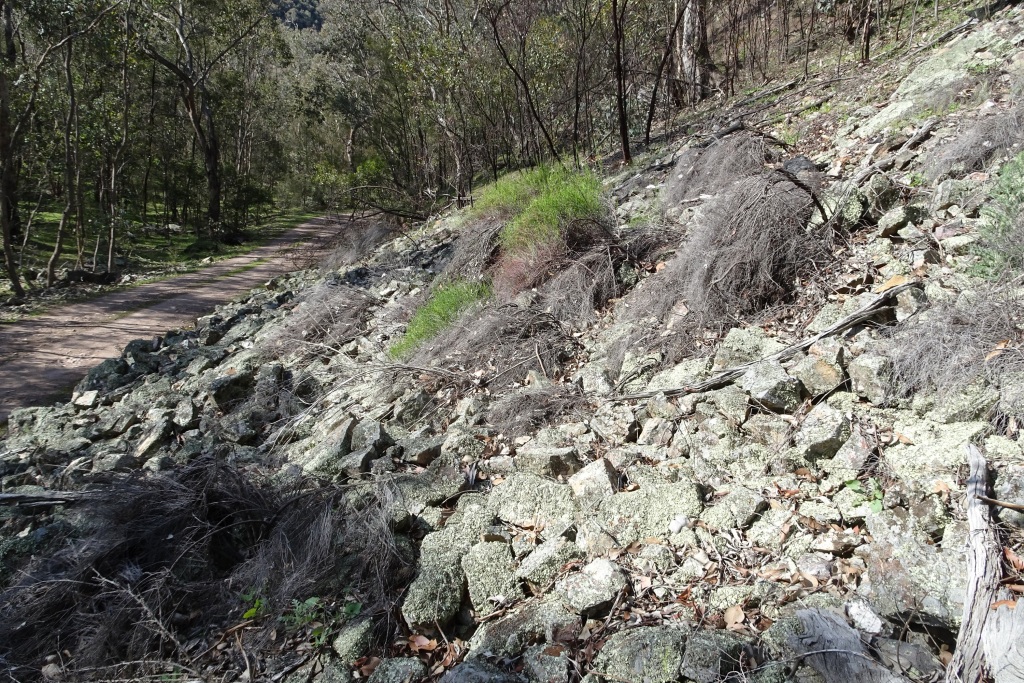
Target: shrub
<point>445,305</point>
<point>1002,231</point>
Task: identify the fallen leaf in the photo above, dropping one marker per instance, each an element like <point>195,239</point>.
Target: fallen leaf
<point>734,615</point>
<point>368,668</point>
<point>1012,604</point>
<point>892,283</point>
<point>997,350</point>
<point>902,438</point>
<point>1014,559</point>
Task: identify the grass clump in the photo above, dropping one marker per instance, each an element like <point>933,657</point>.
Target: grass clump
<point>1002,232</point>
<point>540,203</point>
<point>441,310</point>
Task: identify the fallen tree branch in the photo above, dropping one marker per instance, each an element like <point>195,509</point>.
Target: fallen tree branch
<point>984,570</point>
<point>42,498</point>
<point>865,313</point>
<point>1002,504</point>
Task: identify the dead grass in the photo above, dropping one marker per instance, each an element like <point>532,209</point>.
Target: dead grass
<point>161,565</point>
<point>355,240</point>
<point>952,345</point>
<point>709,170</point>
<point>326,317</point>
<point>745,255</point>
<point>476,249</point>
<point>524,412</point>
<point>500,344</point>
<point>986,139</point>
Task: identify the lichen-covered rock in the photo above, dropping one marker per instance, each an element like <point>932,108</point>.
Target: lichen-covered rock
<point>711,656</point>
<point>490,577</point>
<point>547,664</point>
<point>542,620</point>
<point>435,595</point>
<point>736,510</point>
<point>684,374</point>
<point>542,565</point>
<point>818,375</point>
<point>772,387</point>
<point>594,483</point>
<point>353,641</point>
<point>632,516</point>
<point>822,433</point>
<point>930,452</point>
<point>651,654</point>
<point>592,590</point>
<point>656,432</point>
<point>974,401</point>
<point>478,671</point>
<point>547,460</point>
<point>399,670</point>
<point>871,377</point>
<point>745,345</point>
<point>615,423</point>
<point>534,502</point>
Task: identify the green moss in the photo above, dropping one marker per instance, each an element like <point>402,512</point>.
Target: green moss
<point>441,310</point>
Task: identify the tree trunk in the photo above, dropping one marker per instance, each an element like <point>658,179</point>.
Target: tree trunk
<point>8,164</point>
<point>618,21</point>
<point>693,61</point>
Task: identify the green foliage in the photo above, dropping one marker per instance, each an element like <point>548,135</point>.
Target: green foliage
<point>441,310</point>
<point>872,493</point>
<point>1001,250</point>
<point>540,202</point>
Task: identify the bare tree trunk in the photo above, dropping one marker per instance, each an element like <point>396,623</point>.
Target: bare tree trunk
<point>618,28</point>
<point>69,172</point>
<point>8,163</point>
<point>693,60</point>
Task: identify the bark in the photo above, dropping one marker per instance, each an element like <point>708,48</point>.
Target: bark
<point>618,21</point>
<point>8,162</point>
<point>693,60</point>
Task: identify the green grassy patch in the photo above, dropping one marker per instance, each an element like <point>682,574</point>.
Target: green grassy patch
<point>441,310</point>
<point>1002,230</point>
<point>540,203</point>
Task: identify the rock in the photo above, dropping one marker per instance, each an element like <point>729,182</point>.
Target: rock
<point>421,450</point>
<point>615,423</point>
<point>646,654</point>
<point>85,399</point>
<point>818,375</point>
<point>744,346</point>
<point>356,461</point>
<point>370,435</point>
<point>906,573</point>
<point>932,452</point>
<point>1009,485</point>
<point>711,656</point>
<point>731,401</point>
<point>880,193</point>
<point>543,620</point>
<point>353,641</point>
<point>592,590</point>
<point>547,664</point>
<point>838,543</point>
<point>533,502</point>
<point>661,406</point>
<point>656,432</point>
<point>736,510</point>
<point>910,302</point>
<point>633,516</point>
<point>542,565</point>
<point>489,575</point>
<point>871,377</point>
<point>399,670</point>
<point>463,446</point>
<point>594,483</point>
<point>893,221</point>
<point>435,595</point>
<point>185,415</point>
<point>156,436</point>
<point>850,460</point>
<point>769,430</point>
<point>442,479</point>
<point>822,433</point>
<point>547,461</point>
<point>686,373</point>
<point>478,671</point>
<point>972,402</point>
<point>771,386</point>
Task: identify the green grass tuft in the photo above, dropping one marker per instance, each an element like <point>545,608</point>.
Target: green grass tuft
<point>541,202</point>
<point>1001,250</point>
<point>441,310</point>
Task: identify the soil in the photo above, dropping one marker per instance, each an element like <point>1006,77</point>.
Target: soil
<point>41,359</point>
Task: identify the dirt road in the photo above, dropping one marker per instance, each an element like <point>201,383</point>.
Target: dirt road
<point>42,358</point>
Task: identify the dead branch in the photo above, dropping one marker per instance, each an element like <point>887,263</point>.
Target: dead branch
<point>984,570</point>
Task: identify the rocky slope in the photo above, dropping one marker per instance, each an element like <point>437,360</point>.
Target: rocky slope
<point>556,498</point>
